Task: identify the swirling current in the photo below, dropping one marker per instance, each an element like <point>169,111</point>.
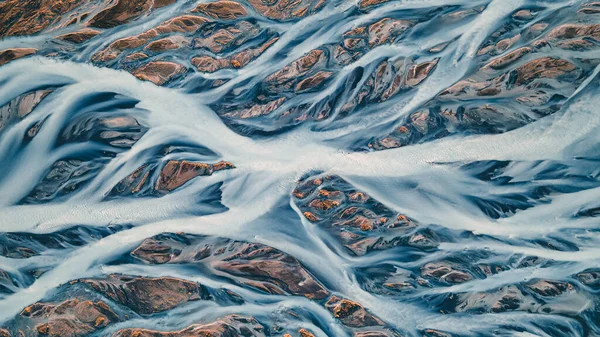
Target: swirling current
<point>366,168</point>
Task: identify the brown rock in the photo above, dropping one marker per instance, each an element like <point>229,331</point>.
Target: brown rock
<point>211,64</point>
<point>351,313</point>
<point>121,12</point>
<point>444,272</point>
<point>369,3</point>
<point>176,173</point>
<point>155,251</point>
<point>159,72</point>
<point>312,82</point>
<point>524,14</point>
<point>435,333</point>
<point>305,333</point>
<point>161,3</point>
<point>386,31</point>
<point>550,288</point>
<point>418,73</point>
<point>324,205</point>
<point>146,295</point>
<point>545,67</point>
<point>79,36</point>
<point>180,24</point>
<point>311,217</point>
<point>228,37</point>
<point>221,9</point>
<point>8,55</point>
<point>21,106</point>
<point>166,43</point>
<point>135,57</point>
<point>508,59</point>
<point>569,31</point>
<point>4,333</point>
<point>71,318</point>
<point>284,10</point>
<point>284,78</point>
<point>259,261</point>
<point>576,45</point>
<point>253,264</point>
<point>256,110</point>
<point>233,325</point>
<point>28,17</point>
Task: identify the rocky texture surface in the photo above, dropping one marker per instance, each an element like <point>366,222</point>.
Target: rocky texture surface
<point>147,295</point>
<point>255,265</point>
<point>173,175</point>
<point>359,222</point>
<point>25,245</point>
<point>8,55</point>
<point>21,106</point>
<point>233,325</point>
<point>69,318</point>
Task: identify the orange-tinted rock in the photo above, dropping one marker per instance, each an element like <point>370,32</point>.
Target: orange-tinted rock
<point>256,265</point>
<point>386,30</point>
<point>146,295</point>
<point>508,59</point>
<point>445,272</point>
<point>233,325</point>
<point>310,216</point>
<point>305,333</point>
<point>435,333</point>
<point>299,67</point>
<point>360,223</point>
<point>369,3</point>
<point>179,24</point>
<point>351,313</point>
<point>545,67</point>
<point>28,17</point>
<point>8,55</point>
<point>79,36</point>
<point>418,73</point>
<point>549,287</point>
<point>324,205</point>
<point>576,45</point>
<point>569,31</point>
<point>159,72</point>
<point>176,173</point>
<point>71,318</point>
<point>313,81</point>
<point>135,57</point>
<point>166,43</point>
<point>524,14</point>
<point>4,333</point>
<point>228,37</point>
<point>257,109</point>
<point>285,9</point>
<point>221,9</point>
<point>121,12</point>
<point>162,3</point>
<point>259,261</point>
<point>211,64</point>
<point>155,251</point>
<point>21,106</point>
